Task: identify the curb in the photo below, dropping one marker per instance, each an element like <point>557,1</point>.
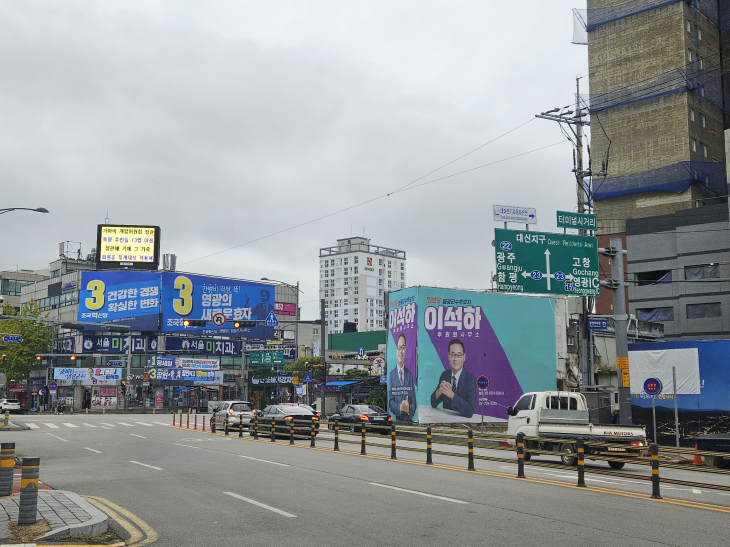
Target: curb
<point>98,523</point>
<point>12,426</point>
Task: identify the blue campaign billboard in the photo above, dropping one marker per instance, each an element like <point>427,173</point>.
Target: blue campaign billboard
<point>160,301</point>
<point>189,296</point>
<point>128,298</point>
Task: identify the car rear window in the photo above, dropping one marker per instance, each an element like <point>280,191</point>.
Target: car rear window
<point>13,401</point>
<point>241,407</point>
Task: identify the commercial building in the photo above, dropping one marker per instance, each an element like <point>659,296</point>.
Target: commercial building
<point>11,283</point>
<point>658,106</point>
<point>353,276</point>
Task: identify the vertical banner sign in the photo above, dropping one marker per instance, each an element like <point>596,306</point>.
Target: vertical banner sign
<point>402,342</point>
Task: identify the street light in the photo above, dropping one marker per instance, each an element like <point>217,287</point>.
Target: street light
<point>37,209</point>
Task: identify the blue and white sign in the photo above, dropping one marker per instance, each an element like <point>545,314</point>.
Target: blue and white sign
<point>115,363</point>
<point>383,379</point>
<point>508,213</point>
<point>483,382</point>
<point>232,348</point>
<point>271,320</point>
<point>185,375</point>
<point>307,378</point>
<point>652,386</point>
<point>598,324</point>
<point>12,338</point>
<point>64,345</point>
<point>87,374</point>
<point>361,352</point>
<point>299,390</point>
<point>112,344</point>
<point>162,361</point>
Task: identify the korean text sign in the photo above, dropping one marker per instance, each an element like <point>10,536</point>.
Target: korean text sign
<point>119,246</point>
<point>87,374</point>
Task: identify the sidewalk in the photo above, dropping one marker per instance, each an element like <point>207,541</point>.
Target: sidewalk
<point>67,514</point>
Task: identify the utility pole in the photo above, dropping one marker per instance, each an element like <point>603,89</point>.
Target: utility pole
<point>575,118</point>
<point>322,356</point>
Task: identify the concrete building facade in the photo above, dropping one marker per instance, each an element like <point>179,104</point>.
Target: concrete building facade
<point>353,276</point>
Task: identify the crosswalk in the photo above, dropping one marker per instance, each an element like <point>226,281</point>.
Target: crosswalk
<point>103,425</point>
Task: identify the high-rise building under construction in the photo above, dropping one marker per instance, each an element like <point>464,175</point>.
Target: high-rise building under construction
<point>659,100</point>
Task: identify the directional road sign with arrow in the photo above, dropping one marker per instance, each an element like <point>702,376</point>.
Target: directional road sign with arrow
<point>545,263</point>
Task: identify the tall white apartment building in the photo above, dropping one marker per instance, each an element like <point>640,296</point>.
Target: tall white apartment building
<point>353,276</point>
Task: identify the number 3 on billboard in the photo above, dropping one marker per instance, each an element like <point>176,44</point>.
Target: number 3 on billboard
<point>184,304</point>
<point>96,287</point>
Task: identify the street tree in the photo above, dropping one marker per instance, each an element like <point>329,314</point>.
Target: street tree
<point>19,359</point>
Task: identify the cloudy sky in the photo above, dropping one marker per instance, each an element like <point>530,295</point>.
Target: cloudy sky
<point>227,123</point>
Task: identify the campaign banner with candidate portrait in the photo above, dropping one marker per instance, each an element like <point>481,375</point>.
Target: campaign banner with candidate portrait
<point>509,340</point>
<point>402,344</point>
<point>186,377</point>
<point>90,373</point>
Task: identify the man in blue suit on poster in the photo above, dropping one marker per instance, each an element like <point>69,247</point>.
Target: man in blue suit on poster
<point>457,388</point>
<point>402,397</point>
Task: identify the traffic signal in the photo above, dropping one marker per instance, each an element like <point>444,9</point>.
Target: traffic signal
<point>194,322</point>
<point>73,357</point>
<point>38,357</point>
<point>123,388</point>
<point>244,324</point>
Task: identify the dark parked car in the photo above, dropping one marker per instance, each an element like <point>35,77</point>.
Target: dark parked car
<point>282,415</point>
<point>304,405</point>
<point>353,416</point>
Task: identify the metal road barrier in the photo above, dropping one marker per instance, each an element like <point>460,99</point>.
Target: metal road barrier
<point>7,468</point>
<point>28,506</point>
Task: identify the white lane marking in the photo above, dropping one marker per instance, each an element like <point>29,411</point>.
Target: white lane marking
<point>104,423</point>
<point>189,446</point>
<point>419,493</point>
<point>128,425</point>
<point>140,436</point>
<point>143,423</point>
<point>145,465</point>
<point>103,427</point>
<point>259,504</point>
<point>265,461</point>
<point>89,425</point>
<point>34,426</point>
<point>92,450</point>
<point>696,491</point>
<point>160,423</point>
<point>57,437</point>
<point>52,426</point>
<point>722,493</point>
<point>69,425</point>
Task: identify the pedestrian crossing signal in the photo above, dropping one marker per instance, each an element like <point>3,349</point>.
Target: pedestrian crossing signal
<point>194,322</point>
<point>244,324</point>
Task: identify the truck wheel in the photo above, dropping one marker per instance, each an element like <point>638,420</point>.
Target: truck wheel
<point>568,457</point>
<point>616,465</point>
<point>526,456</point>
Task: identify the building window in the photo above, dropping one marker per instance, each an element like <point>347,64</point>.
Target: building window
<point>345,262</point>
<point>689,55</point>
<point>326,263</point>
<point>653,278</point>
<point>380,282</point>
<point>699,34</point>
<point>689,25</point>
<point>704,311</point>
<point>388,274</point>
<point>694,145</point>
<point>336,311</point>
<point>402,266</point>
<point>354,282</point>
<point>655,314</point>
<point>357,311</point>
<point>355,260</point>
<point>380,272</point>
<point>346,291</point>
<point>380,292</point>
<point>704,120</point>
<point>326,273</point>
<point>346,280</point>
<point>337,323</point>
<point>704,150</point>
<point>355,270</point>
<point>55,273</point>
<point>704,271</point>
<point>355,301</point>
<point>380,262</point>
<point>702,92</point>
<point>345,304</point>
<point>388,263</point>
<point>354,291</point>
<point>389,284</point>
<point>702,63</point>
<point>402,277</point>
<point>692,114</point>
<point>315,330</point>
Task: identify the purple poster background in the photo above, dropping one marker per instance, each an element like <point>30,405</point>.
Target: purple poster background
<point>484,355</point>
<point>403,320</point>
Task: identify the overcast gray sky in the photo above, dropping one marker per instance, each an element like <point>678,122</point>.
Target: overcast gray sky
<point>225,122</point>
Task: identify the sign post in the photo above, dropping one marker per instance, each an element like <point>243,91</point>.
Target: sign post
<point>653,387</point>
<point>545,263</point>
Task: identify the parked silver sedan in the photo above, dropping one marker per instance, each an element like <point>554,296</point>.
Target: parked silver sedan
<point>237,412</point>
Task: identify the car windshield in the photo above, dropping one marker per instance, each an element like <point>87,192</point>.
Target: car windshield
<point>377,409</point>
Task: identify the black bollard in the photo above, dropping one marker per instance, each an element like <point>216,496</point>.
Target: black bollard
<point>392,442</point>
<point>291,431</point>
<point>28,506</point>
<point>226,424</point>
<point>7,465</point>
<point>362,439</point>
<point>655,472</point>
<point>520,455</point>
<point>312,434</point>
<point>240,427</point>
<point>256,428</point>
<point>471,450</point>
<point>581,464</point>
<point>273,430</point>
<point>337,435</point>
<point>429,458</point>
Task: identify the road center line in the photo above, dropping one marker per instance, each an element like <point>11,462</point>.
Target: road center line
<point>92,450</point>
<point>452,500</point>
<point>135,435</point>
<point>57,437</point>
<point>259,504</point>
<point>146,465</point>
<point>265,461</point>
<point>187,445</point>
<point>104,427</point>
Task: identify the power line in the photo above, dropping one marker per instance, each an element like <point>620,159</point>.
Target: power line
<point>404,188</point>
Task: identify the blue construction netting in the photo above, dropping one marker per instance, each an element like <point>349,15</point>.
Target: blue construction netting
<point>717,12</point>
<point>672,178</point>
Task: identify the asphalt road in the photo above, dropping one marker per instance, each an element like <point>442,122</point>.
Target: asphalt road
<point>202,489</point>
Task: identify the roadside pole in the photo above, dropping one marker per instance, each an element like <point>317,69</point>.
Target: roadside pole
<point>322,356</point>
<point>621,325</point>
<point>129,369</point>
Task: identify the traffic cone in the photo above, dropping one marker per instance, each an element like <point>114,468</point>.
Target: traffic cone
<point>698,458</point>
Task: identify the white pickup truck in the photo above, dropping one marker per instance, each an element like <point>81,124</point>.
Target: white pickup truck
<point>561,418</point>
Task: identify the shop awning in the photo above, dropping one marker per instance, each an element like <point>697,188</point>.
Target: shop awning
<point>179,389</point>
<point>342,383</point>
<point>18,389</point>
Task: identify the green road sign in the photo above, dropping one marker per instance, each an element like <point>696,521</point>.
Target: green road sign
<point>581,221</point>
<point>544,263</point>
<point>266,358</point>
